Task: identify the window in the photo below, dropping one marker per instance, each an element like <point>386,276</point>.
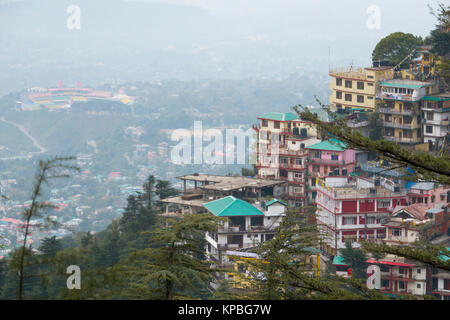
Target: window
<point>264,123</point>
<point>298,161</point>
<point>283,160</point>
<point>401,284</point>
<point>348,220</point>
<point>419,271</point>
<point>396,232</point>
<point>360,85</point>
<point>334,157</point>
<point>370,77</point>
<point>360,98</point>
<point>348,83</point>
<point>418,286</point>
<point>348,97</point>
<point>371,220</point>
<point>430,115</point>
<point>383,204</point>
<point>429,129</point>
<point>338,95</point>
<point>370,84</point>
<point>370,97</point>
<point>276,125</point>
<point>338,81</point>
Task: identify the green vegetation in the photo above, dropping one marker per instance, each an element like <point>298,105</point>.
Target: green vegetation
<point>395,47</point>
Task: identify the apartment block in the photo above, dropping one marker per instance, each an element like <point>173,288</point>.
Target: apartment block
<point>356,87</point>
<point>400,109</point>
<point>436,116</point>
<point>246,225</point>
<point>350,209</point>
<point>282,141</point>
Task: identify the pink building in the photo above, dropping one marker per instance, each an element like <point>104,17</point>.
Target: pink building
<point>428,194</point>
<point>350,209</point>
<point>331,157</point>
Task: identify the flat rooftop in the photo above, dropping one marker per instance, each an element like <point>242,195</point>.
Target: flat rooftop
<point>178,200</point>
<point>229,183</point>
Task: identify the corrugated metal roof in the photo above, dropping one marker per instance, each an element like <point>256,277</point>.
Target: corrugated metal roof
<point>275,200</point>
<point>279,116</point>
<point>231,206</point>
<point>330,145</point>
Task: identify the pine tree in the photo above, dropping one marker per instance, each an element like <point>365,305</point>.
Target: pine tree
<point>172,267</point>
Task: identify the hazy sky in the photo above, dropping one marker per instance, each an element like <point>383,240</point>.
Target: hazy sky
<point>401,14</point>
<point>192,39</point>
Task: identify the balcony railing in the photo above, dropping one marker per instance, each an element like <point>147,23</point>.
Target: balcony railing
<point>291,166</point>
<point>401,140</point>
<point>399,96</point>
<point>394,111</point>
<point>400,125</point>
<point>437,122</point>
<point>326,161</point>
<point>336,193</point>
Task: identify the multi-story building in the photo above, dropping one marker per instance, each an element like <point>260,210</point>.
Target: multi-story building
<point>350,209</point>
<point>400,109</point>
<point>356,87</point>
<point>208,187</point>
<point>282,139</point>
<point>246,225</point>
<point>404,277</point>
<point>436,116</point>
<point>402,225</point>
<point>328,158</point>
<point>427,193</point>
<point>399,276</point>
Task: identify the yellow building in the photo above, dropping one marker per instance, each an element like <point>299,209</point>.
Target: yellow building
<point>241,270</point>
<point>356,87</point>
<point>423,66</point>
<point>400,109</point>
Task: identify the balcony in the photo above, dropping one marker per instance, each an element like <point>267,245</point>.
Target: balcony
<point>299,153</point>
<point>409,126</point>
<point>361,124</point>
<point>291,166</point>
<point>394,111</point>
<point>437,122</point>
<point>327,161</point>
<point>242,229</point>
<point>401,140</point>
<point>398,96</point>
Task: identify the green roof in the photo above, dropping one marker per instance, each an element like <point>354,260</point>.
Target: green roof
<point>231,206</point>
<point>279,116</point>
<point>275,200</point>
<point>338,260</point>
<point>330,145</point>
<point>404,85</point>
<point>436,98</point>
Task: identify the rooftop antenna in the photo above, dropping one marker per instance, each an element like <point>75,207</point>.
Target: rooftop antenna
<point>329,55</point>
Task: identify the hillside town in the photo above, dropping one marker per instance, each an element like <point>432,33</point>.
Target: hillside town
<point>357,194</point>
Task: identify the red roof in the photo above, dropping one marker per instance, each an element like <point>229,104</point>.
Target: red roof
<point>417,210</point>
<point>391,263</point>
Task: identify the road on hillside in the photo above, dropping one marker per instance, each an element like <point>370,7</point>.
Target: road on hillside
<point>25,132</point>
